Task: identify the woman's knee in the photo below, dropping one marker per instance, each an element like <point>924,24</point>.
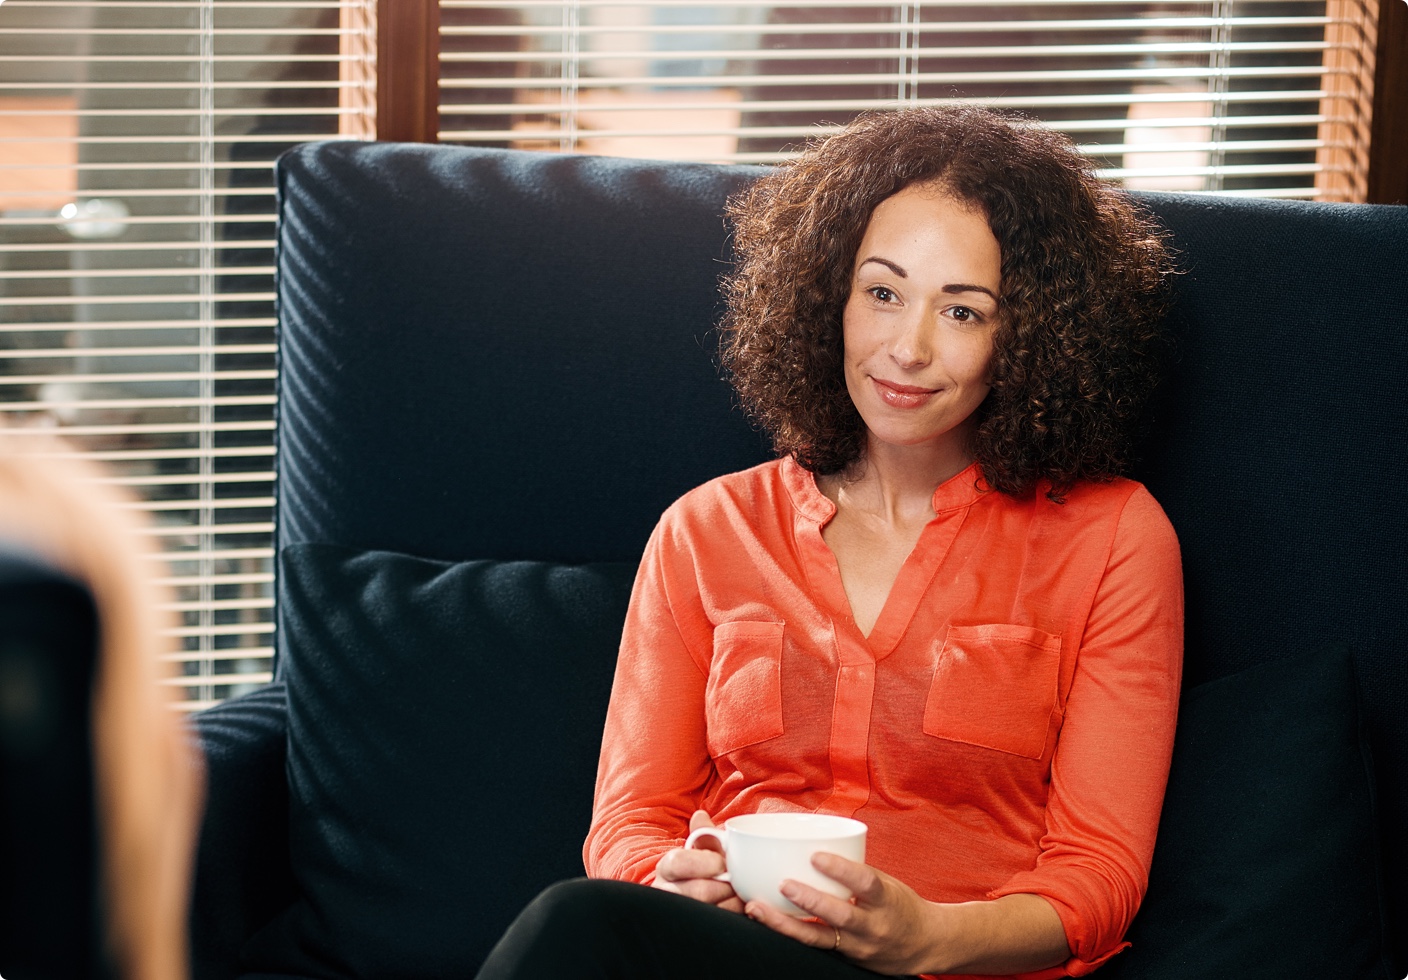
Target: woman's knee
<point>578,904</point>
<point>571,926</point>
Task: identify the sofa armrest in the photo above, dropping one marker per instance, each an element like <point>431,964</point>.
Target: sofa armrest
<point>242,874</point>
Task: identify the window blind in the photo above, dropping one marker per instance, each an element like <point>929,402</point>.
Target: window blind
<point>137,213</point>
<point>137,139</point>
<point>1264,97</point>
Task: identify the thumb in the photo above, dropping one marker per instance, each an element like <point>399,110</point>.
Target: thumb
<point>700,819</point>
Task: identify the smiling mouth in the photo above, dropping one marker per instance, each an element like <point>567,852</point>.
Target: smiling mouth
<point>903,396</point>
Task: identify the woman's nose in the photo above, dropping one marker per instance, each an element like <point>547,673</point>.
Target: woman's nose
<point>910,347</point>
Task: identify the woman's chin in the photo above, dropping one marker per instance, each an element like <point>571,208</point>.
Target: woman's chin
<point>951,443</point>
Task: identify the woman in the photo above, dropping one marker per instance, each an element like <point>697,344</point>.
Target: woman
<point>939,611</point>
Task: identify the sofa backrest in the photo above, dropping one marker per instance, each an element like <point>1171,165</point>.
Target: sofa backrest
<point>1280,452</point>
<point>490,354</point>
<point>496,355</point>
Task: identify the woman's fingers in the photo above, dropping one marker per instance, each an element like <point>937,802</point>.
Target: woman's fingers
<point>694,872</point>
<point>700,818</point>
<point>887,927</point>
<point>860,929</point>
<point>813,901</point>
<point>818,934</point>
<point>681,865</point>
<point>709,891</point>
<point>836,915</point>
<point>731,904</point>
<point>862,880</point>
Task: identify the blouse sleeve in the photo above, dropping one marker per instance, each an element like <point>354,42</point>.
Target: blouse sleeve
<point>654,761</point>
<point>1111,762</point>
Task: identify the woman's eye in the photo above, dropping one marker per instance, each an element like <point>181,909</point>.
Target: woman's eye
<point>882,293</point>
<point>963,314</point>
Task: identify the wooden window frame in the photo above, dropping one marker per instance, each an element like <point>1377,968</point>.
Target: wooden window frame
<point>1388,141</point>
<point>408,70</point>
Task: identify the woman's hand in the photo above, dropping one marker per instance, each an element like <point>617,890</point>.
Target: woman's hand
<point>692,872</point>
<point>889,928</point>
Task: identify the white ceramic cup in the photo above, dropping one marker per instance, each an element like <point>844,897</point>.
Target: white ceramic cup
<point>761,850</point>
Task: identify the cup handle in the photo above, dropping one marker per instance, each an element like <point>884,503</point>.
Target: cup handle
<point>713,832</point>
<point>719,834</point>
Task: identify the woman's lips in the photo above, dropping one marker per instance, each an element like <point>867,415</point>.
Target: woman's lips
<point>896,395</point>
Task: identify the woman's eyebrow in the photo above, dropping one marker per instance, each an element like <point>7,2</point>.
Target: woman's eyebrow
<point>893,267</point>
<point>968,287</point>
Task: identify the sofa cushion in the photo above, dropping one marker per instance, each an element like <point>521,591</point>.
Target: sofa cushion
<point>1267,862</point>
<point>444,726</point>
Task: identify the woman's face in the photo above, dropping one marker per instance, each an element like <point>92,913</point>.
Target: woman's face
<point>919,322</point>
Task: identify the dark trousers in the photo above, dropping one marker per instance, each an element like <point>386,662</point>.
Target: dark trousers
<point>614,929</point>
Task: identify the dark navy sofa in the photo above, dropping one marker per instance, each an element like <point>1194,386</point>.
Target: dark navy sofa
<point>497,368</point>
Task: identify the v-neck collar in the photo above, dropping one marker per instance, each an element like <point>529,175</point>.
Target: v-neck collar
<point>814,510</point>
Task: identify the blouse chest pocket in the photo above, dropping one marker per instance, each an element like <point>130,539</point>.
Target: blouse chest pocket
<point>743,698</point>
<point>995,686</point>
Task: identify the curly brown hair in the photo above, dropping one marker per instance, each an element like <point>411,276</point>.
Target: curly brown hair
<point>1079,345</point>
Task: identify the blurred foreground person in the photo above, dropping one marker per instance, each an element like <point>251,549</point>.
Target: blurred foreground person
<point>147,773</point>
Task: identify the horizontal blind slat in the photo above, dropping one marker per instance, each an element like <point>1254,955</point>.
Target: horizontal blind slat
<point>166,6</point>
<point>221,503</point>
<point>888,27</point>
<point>928,77</point>
<point>223,605</point>
<point>254,653</point>
<point>764,5</point>
<point>815,53</point>
<point>185,557</point>
<point>147,273</point>
<point>123,456</point>
<point>148,139</point>
<point>121,299</point>
<point>257,527</point>
<point>99,325</point>
<point>254,677</point>
<point>57,223</point>
<point>96,351</point>
<point>113,248</point>
<point>218,579</point>
<point>222,401</point>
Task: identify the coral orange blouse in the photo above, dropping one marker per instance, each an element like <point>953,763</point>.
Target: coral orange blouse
<point>1005,728</point>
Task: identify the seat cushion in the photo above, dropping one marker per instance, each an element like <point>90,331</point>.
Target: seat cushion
<point>444,726</point>
<point>1267,861</point>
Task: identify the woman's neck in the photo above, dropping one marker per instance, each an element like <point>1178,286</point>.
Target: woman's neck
<point>895,484</point>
